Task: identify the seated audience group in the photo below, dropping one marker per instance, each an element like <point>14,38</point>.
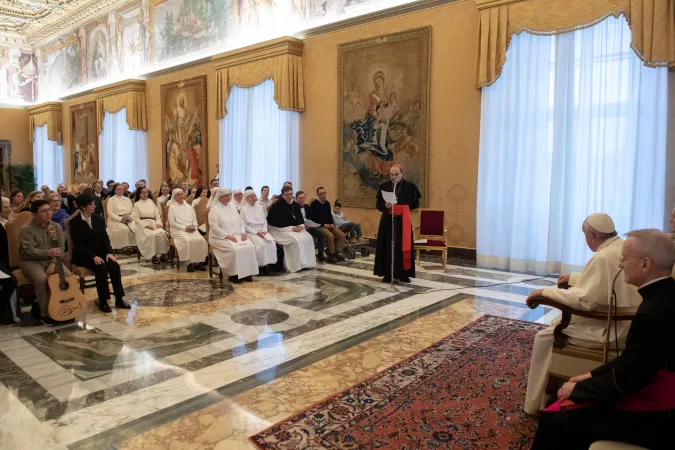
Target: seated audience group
<point>247,235</point>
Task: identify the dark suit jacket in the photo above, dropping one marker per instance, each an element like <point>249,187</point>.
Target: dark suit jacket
<point>4,251</point>
<point>649,348</point>
<point>89,242</point>
<point>68,203</point>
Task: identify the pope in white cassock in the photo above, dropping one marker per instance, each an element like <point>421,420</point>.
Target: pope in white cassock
<point>589,290</point>
<point>120,226</point>
<point>191,246</point>
<point>254,216</point>
<point>227,235</point>
<point>150,236</point>
<point>287,227</point>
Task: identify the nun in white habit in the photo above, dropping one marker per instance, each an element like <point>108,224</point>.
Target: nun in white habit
<point>254,216</point>
<point>121,224</point>
<point>191,245</point>
<point>238,200</point>
<point>150,236</point>
<point>233,250</point>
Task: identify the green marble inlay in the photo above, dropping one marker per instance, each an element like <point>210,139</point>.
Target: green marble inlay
<point>331,292</point>
<point>92,353</point>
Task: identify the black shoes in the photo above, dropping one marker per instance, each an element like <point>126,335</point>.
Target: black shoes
<point>201,267</point>
<point>121,304</point>
<point>339,256</point>
<point>104,307</point>
<point>155,260</point>
<point>234,279</point>
<point>332,258</point>
<point>321,257</point>
<point>190,268</point>
<point>386,280</point>
<point>248,279</point>
<point>404,279</point>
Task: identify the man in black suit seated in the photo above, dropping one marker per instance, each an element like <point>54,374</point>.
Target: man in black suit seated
<point>630,399</point>
<point>91,249</point>
<point>300,199</point>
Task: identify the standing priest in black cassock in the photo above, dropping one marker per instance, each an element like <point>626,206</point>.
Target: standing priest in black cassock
<point>630,399</point>
<point>408,199</point>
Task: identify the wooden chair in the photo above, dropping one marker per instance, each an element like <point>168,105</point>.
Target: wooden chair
<point>172,245</point>
<point>202,212</point>
<point>81,272</point>
<point>568,360</point>
<point>104,203</point>
<point>611,445</point>
<point>432,229</point>
<point>212,256</point>
<point>155,196</point>
<point>190,198</point>
<point>13,228</point>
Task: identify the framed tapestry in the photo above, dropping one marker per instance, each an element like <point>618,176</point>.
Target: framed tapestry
<point>383,100</point>
<point>184,135</point>
<point>83,143</point>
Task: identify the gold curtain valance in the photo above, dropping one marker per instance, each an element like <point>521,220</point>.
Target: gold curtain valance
<point>49,114</point>
<point>128,94</point>
<point>279,60</point>
<point>652,24</point>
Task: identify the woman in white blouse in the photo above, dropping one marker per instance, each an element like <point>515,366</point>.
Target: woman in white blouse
<point>151,238</point>
<point>121,224</point>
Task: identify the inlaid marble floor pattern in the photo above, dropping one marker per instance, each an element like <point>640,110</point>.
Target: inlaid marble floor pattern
<point>199,365</point>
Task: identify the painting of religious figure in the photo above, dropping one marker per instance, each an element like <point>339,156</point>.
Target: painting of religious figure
<point>383,100</point>
<point>184,131</point>
<point>84,143</point>
<point>184,26</point>
<point>62,69</point>
<point>98,54</point>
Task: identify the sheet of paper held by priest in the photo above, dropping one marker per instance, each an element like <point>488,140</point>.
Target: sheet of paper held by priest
<point>389,197</point>
<point>239,240</point>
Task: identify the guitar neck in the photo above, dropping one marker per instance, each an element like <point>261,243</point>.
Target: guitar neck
<point>59,262</point>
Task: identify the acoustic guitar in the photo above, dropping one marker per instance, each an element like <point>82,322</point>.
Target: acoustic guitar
<point>66,301</point>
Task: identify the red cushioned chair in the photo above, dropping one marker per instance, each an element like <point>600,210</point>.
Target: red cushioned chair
<point>432,228</point>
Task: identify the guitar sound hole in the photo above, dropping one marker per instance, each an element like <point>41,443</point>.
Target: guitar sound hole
<point>64,286</point>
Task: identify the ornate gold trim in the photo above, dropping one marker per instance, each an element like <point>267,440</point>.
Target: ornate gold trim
<point>269,49</point>
<point>45,107</point>
<point>119,88</point>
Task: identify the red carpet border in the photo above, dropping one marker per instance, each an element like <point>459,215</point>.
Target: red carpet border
<point>465,392</point>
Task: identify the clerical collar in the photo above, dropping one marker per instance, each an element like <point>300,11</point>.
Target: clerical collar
<point>607,242</point>
<point>649,283</point>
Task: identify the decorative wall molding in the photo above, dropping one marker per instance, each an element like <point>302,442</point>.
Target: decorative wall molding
<point>483,4</point>
<point>45,107</point>
<point>282,46</point>
<point>119,88</point>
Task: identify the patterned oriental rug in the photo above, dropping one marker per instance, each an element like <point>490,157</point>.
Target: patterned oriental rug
<point>464,392</point>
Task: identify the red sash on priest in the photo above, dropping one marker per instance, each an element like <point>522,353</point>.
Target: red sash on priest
<point>406,241</point>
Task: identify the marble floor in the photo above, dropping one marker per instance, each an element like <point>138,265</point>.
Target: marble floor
<point>197,365</point>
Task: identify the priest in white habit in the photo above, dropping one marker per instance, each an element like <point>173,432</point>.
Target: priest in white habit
<point>191,246</point>
<point>153,243</point>
<point>589,290</point>
<point>287,227</point>
<point>227,235</point>
<point>120,225</point>
<point>254,216</point>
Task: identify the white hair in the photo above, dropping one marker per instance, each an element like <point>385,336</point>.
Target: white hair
<point>655,245</point>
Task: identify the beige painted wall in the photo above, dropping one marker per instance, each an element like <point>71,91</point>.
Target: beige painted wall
<point>454,115</point>
<point>14,128</point>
